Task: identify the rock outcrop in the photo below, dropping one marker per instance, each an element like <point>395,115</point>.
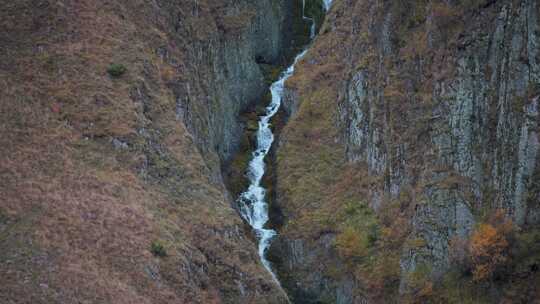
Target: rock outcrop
<point>406,166</point>
<point>433,119</point>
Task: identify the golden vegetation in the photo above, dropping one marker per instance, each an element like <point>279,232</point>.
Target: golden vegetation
<point>488,249</point>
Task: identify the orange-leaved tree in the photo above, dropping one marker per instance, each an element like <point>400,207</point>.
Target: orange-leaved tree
<point>489,246</point>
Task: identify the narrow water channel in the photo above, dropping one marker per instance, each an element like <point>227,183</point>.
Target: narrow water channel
<point>252,203</point>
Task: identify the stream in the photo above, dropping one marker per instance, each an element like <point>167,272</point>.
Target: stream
<point>252,205</point>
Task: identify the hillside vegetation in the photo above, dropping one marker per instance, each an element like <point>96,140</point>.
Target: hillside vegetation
<point>408,170</point>
<point>108,192</point>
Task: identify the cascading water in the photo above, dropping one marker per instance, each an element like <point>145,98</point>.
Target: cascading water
<point>252,204</point>
<point>312,28</point>
<point>253,207</point>
<point>327,4</point>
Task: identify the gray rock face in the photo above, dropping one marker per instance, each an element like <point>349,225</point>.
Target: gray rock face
<point>481,150</point>
<point>289,102</point>
<point>224,77</point>
<point>314,285</point>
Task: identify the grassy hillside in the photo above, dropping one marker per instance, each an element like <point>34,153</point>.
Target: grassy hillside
<point>106,197</point>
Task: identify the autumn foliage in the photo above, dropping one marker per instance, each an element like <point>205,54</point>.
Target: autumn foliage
<point>487,250</point>
<point>489,247</point>
<point>352,244</point>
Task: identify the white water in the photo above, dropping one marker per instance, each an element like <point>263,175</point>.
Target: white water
<point>327,4</point>
<point>252,204</point>
<point>312,28</point>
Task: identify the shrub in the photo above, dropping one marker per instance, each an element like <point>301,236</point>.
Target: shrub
<point>383,271</point>
<point>158,249</point>
<point>116,70</point>
<point>420,282</point>
<point>489,246</point>
<point>352,244</point>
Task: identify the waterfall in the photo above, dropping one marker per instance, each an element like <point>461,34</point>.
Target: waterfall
<point>252,205</point>
<point>327,4</point>
<point>312,28</point>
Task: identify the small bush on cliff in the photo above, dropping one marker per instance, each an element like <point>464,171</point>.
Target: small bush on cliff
<point>360,231</point>
<point>487,249</point>
<point>116,70</point>
<point>352,244</point>
<point>420,283</point>
<point>158,249</point>
<point>489,246</point>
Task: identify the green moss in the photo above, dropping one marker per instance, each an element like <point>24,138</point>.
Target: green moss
<point>416,243</point>
<point>49,63</point>
<point>237,181</point>
<point>421,273</point>
<point>3,218</point>
<point>518,104</point>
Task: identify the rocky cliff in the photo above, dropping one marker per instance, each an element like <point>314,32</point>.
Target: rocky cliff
<point>405,169</point>
<point>116,117</point>
<point>413,133</point>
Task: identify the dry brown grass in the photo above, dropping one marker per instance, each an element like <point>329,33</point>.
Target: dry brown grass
<point>78,216</point>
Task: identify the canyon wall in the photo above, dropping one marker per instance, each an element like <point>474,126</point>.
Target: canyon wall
<point>405,167</point>
<point>412,124</point>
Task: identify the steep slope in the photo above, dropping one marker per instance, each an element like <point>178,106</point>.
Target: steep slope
<point>115,118</point>
<point>405,168</point>
<point>408,169</point>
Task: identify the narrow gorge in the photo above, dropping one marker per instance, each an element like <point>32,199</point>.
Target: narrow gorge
<point>253,207</point>
<point>269,151</point>
<point>252,204</point>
